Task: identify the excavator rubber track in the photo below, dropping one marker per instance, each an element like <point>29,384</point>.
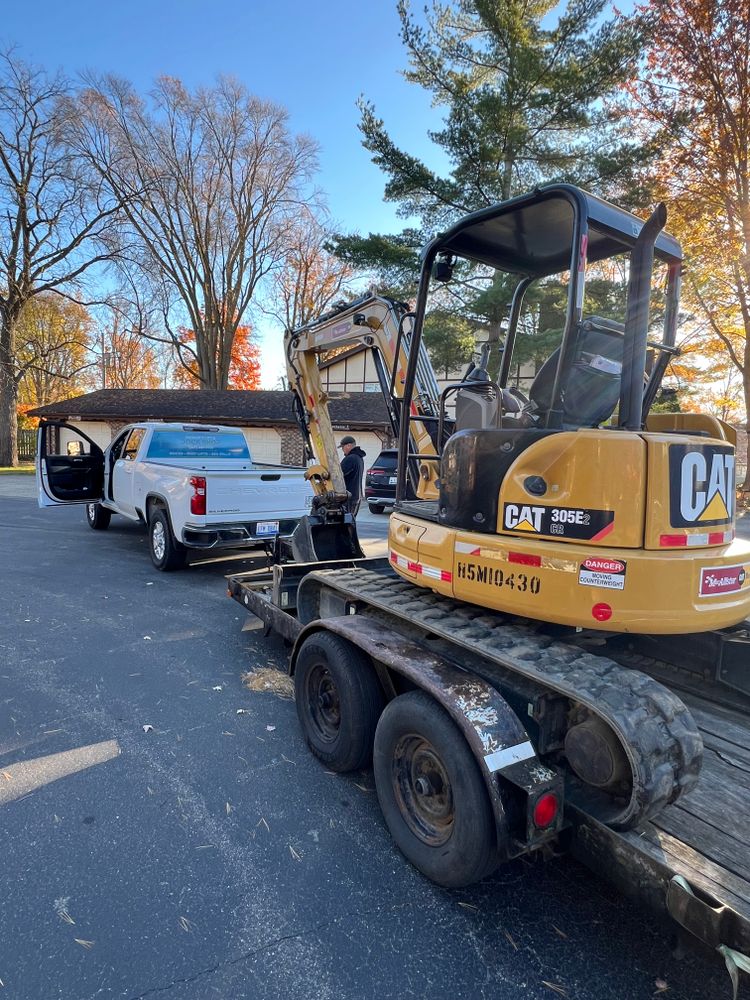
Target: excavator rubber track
<point>657,732</point>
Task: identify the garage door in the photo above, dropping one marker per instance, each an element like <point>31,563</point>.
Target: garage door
<point>265,444</point>
<point>369,443</point>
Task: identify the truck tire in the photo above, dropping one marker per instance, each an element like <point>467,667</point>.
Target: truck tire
<point>432,794</point>
<point>98,517</point>
<point>377,508</point>
<point>166,552</point>
<point>339,700</point>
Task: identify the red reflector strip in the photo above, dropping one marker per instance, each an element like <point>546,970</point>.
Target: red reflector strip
<point>444,575</point>
<point>716,538</point>
<point>672,540</point>
<point>523,559</point>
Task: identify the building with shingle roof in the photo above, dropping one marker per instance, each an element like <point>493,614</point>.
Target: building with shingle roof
<point>266,416</point>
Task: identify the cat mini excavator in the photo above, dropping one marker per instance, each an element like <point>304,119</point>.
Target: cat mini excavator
<point>566,579</point>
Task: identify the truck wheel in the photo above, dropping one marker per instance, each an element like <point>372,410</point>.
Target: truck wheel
<point>97,516</point>
<point>338,699</point>
<point>166,552</point>
<point>377,508</point>
<point>432,794</point>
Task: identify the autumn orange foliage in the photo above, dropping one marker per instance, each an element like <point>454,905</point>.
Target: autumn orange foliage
<point>244,367</point>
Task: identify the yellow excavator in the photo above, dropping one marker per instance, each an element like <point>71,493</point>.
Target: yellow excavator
<point>566,581</point>
<point>574,505</point>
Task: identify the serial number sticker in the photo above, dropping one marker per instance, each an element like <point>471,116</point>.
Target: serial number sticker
<point>722,580</point>
<point>606,573</point>
<point>267,528</point>
<point>493,576</point>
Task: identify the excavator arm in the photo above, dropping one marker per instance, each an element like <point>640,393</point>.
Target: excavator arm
<point>384,327</point>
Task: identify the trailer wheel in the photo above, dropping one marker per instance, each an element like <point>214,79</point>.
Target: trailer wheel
<point>432,794</point>
<point>98,517</point>
<point>166,552</point>
<point>338,699</point>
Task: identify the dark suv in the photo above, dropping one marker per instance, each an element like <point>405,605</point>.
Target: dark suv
<point>380,482</point>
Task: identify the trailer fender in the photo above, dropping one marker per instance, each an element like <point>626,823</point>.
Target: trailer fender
<point>491,728</point>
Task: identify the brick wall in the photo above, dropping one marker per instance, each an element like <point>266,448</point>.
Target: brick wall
<point>291,446</point>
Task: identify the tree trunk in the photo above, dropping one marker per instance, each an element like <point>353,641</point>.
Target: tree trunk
<point>8,415</point>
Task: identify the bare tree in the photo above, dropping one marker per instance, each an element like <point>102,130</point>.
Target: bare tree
<point>212,181</point>
<point>54,214</point>
<point>310,278</point>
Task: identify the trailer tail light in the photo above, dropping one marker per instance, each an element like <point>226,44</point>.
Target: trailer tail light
<point>545,810</point>
<point>198,499</point>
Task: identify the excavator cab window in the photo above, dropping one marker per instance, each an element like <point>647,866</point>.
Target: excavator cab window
<point>592,388</point>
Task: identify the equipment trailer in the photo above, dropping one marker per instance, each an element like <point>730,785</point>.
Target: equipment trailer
<point>559,635</point>
<point>354,619</point>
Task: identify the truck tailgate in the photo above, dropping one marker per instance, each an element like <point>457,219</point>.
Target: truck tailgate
<point>256,495</point>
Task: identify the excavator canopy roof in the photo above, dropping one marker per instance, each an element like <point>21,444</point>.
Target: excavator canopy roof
<point>534,234</point>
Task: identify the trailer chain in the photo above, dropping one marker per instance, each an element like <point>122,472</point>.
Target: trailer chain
<point>657,732</point>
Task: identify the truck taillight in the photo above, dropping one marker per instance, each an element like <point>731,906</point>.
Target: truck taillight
<point>198,499</point>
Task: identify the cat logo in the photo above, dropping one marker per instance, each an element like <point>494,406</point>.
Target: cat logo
<point>523,518</point>
<point>702,485</point>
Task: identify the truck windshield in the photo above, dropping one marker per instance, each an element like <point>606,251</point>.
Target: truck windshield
<point>199,444</point>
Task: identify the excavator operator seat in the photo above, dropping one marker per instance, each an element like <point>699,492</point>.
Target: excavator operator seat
<point>591,390</point>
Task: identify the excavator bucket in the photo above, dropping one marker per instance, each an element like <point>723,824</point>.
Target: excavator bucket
<point>318,537</point>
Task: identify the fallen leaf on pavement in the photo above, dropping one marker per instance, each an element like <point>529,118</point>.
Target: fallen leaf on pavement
<point>556,987</point>
<point>269,679</point>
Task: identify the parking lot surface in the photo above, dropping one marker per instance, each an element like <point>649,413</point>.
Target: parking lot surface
<point>166,833</point>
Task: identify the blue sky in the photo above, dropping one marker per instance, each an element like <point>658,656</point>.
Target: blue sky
<point>313,58</point>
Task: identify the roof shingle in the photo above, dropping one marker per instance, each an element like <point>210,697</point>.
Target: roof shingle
<point>231,406</point>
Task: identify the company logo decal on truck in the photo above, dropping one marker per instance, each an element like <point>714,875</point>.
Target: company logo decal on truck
<point>565,522</point>
<point>701,485</point>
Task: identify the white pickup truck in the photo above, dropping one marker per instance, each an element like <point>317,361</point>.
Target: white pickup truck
<point>195,486</point>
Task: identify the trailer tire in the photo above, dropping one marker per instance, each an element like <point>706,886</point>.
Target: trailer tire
<point>166,552</point>
<point>98,517</point>
<point>339,700</point>
<point>432,794</point>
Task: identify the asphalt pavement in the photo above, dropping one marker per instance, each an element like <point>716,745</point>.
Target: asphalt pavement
<point>166,833</point>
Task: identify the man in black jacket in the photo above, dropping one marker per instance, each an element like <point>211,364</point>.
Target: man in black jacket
<point>353,466</point>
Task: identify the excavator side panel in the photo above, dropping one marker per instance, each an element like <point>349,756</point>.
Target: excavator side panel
<point>691,492</point>
<point>614,589</point>
<point>575,486</point>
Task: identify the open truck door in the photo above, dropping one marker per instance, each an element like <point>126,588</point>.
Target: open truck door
<point>69,466</point>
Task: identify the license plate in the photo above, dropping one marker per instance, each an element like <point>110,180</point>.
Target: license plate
<point>393,480</point>
<point>267,528</point>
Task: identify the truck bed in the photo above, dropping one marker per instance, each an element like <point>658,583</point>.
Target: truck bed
<point>703,838</point>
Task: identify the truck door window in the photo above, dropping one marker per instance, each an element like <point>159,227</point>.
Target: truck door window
<point>115,450</point>
<point>133,444</point>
